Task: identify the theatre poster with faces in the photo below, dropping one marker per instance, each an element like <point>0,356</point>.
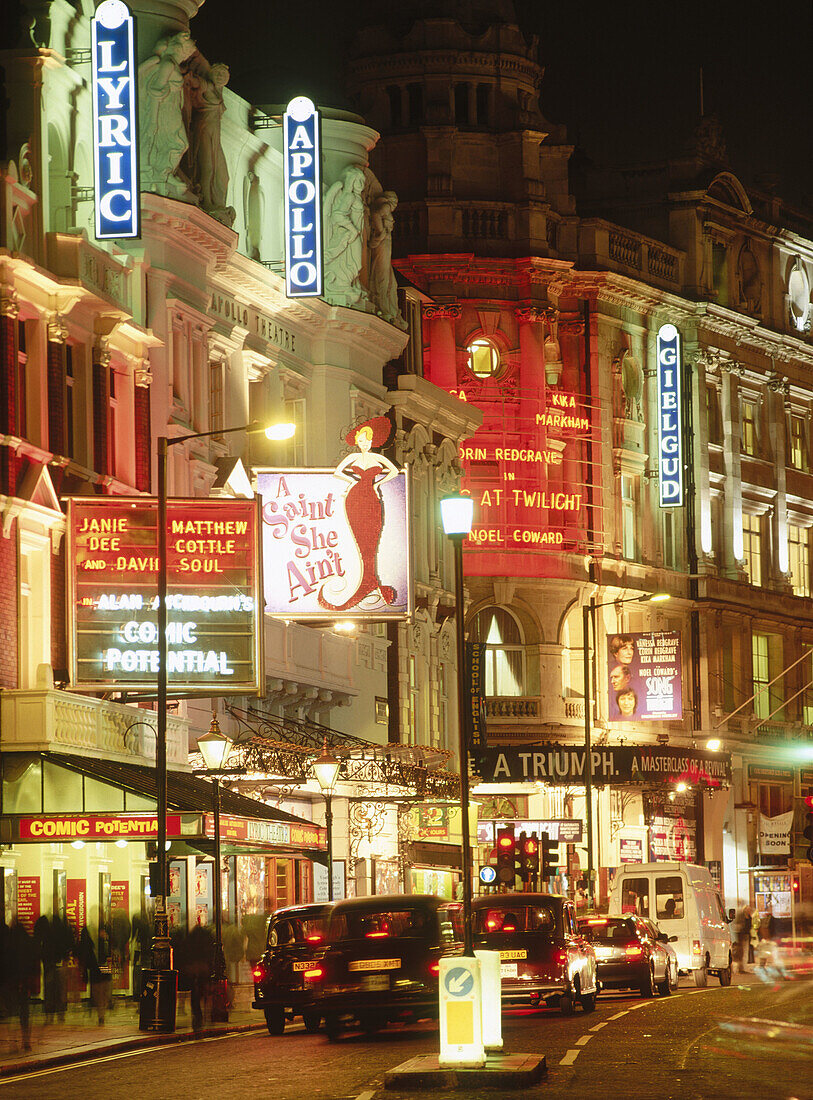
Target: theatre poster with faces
<point>644,677</point>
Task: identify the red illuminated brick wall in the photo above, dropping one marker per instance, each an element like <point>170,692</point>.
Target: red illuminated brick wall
<point>8,608</point>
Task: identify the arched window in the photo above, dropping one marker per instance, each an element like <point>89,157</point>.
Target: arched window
<point>505,652</point>
<point>483,358</point>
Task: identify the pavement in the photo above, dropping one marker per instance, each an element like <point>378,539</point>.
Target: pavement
<point>80,1036</point>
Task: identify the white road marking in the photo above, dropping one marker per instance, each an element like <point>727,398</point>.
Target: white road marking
<point>584,1039</point>
<point>570,1058</point>
<point>618,1015</point>
<point>368,1095</point>
<point>114,1058</point>
<point>598,1027</point>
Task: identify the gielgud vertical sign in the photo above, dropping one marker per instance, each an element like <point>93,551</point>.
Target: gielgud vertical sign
<point>213,594</point>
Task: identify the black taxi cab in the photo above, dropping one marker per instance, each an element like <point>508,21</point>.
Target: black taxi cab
<point>287,978</point>
<point>543,956</point>
<point>382,959</point>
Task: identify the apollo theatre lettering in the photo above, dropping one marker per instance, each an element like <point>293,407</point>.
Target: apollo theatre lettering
<point>115,144</point>
<point>303,199</point>
<point>670,437</point>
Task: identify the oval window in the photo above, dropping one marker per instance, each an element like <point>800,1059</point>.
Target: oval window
<point>484,359</point>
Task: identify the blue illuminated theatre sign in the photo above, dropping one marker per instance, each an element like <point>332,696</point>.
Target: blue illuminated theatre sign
<point>670,439</point>
<point>115,141</point>
<point>213,598</point>
<point>303,199</point>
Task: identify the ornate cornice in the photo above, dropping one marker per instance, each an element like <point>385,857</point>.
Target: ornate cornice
<point>442,312</point>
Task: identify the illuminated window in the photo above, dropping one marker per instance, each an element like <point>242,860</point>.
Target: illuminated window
<point>505,652</point>
<point>442,700</point>
<point>216,395</point>
<point>112,433</point>
<point>807,691</point>
<point>69,381</point>
<point>412,702</point>
<point>295,448</point>
<point>798,443</point>
<point>760,670</point>
<point>798,559</point>
<point>748,431</point>
<point>20,417</point>
<point>669,538</point>
<point>752,547</point>
<point>629,517</point>
<point>484,359</point>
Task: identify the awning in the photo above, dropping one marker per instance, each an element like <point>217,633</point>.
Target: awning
<point>247,825</point>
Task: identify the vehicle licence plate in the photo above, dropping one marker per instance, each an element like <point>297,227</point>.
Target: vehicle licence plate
<point>375,981</point>
<point>374,964</point>
<point>301,965</point>
<point>604,952</point>
<point>508,956</point>
<point>508,970</point>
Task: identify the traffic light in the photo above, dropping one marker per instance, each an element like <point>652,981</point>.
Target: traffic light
<point>550,855</point>
<point>522,857</point>
<point>807,832</point>
<point>532,853</point>
<point>506,855</point>
<point>794,885</point>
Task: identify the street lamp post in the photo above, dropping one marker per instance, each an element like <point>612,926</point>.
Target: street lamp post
<point>588,618</point>
<point>457,513</point>
<point>159,994</point>
<point>326,767</point>
<point>214,748</point>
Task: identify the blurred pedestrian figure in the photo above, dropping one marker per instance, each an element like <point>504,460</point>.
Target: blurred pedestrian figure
<point>196,957</point>
<point>92,973</point>
<point>21,966</point>
<point>766,925</point>
<point>234,951</point>
<point>754,944</point>
<point>742,931</point>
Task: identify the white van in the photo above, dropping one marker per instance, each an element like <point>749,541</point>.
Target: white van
<point>683,900</point>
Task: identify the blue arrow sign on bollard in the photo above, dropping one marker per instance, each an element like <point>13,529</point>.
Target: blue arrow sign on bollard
<point>459,982</point>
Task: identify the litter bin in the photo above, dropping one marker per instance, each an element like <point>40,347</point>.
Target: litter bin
<point>159,995</point>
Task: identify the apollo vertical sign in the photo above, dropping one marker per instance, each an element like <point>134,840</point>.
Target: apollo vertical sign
<point>670,438</point>
<point>303,200</point>
<point>115,134</point>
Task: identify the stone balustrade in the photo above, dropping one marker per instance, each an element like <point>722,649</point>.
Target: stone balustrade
<point>59,721</point>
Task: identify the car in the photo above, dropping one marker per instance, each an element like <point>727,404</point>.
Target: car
<point>631,954</point>
<point>285,978</point>
<point>382,959</point>
<point>543,956</point>
<point>666,942</point>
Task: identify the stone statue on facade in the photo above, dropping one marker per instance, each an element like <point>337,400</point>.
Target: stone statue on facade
<point>163,138</point>
<point>343,216</point>
<point>204,108</point>
<point>381,283</point>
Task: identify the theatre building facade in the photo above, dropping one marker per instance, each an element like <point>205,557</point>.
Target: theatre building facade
<point>107,345</point>
<point>639,345</point>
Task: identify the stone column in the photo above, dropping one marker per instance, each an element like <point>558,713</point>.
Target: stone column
<point>443,344</point>
<point>9,398</point>
<point>100,384</point>
<point>143,435</point>
<point>55,368</point>
<point>732,517</point>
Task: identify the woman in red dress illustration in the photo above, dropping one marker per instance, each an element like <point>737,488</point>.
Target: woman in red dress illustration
<point>365,471</point>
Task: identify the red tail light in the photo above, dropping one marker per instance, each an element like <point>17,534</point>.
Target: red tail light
<point>376,935</point>
<point>633,952</point>
<point>434,968</point>
<point>258,973</point>
<point>491,924</point>
<point>314,939</point>
<point>561,957</point>
<point>315,974</point>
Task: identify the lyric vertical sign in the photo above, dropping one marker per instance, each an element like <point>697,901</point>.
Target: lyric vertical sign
<point>115,143</point>
<point>303,199</point>
<point>670,435</point>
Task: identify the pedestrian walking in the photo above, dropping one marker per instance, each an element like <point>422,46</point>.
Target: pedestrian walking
<point>92,973</point>
<point>754,939</point>
<point>742,931</point>
<point>21,966</point>
<point>196,958</point>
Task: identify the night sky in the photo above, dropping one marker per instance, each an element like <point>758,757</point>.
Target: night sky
<point>623,76</point>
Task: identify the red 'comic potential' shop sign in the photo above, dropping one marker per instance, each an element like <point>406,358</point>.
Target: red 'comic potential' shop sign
<point>213,601</point>
<point>105,827</point>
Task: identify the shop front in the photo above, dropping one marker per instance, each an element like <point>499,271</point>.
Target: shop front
<point>78,838</point>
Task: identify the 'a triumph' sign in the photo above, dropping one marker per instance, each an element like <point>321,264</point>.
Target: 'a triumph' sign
<point>613,764</point>
<point>670,436</point>
<point>303,199</point>
<point>115,142</point>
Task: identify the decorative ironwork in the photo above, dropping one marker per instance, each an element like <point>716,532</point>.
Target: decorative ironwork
<point>365,820</point>
<point>406,837</point>
<point>284,748</point>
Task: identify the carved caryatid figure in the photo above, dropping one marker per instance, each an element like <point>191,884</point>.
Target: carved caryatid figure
<point>344,237</point>
<point>162,135</point>
<point>382,285</point>
<point>208,168</point>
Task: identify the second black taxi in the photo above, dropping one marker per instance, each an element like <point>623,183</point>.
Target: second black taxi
<point>288,976</point>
